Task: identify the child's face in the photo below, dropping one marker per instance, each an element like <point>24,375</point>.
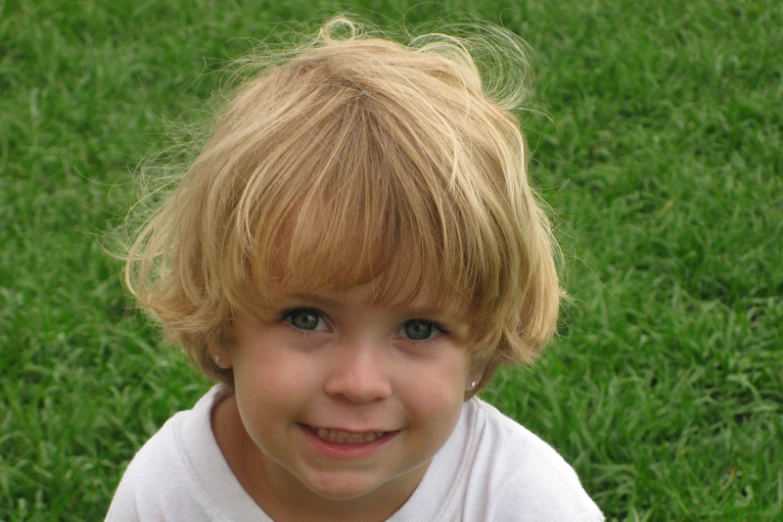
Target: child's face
<point>333,365</point>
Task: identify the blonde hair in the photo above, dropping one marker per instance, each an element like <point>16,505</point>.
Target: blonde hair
<point>329,167</point>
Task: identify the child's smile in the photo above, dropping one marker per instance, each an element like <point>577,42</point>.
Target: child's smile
<point>341,403</point>
<point>341,443</point>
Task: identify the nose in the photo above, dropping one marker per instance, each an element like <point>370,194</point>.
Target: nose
<point>359,374</point>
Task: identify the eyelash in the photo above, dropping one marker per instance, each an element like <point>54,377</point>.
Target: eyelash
<point>286,315</point>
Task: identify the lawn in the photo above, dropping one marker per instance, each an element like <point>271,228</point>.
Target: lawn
<point>657,131</point>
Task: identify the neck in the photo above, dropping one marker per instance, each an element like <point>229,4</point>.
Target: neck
<point>284,499</point>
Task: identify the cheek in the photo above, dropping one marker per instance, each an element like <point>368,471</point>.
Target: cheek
<point>270,364</point>
<point>435,393</point>
<point>272,382</point>
<point>269,396</point>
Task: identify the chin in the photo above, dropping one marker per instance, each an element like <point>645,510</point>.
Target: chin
<point>341,488</point>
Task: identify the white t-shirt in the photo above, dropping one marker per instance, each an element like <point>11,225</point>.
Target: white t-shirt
<point>490,469</point>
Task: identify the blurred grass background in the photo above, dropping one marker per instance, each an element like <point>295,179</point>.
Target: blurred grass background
<point>663,162</point>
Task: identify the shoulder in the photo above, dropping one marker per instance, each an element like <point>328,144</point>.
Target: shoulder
<point>156,471</point>
<point>525,478</point>
<point>161,480</point>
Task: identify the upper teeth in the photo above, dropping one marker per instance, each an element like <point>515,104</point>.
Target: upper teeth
<point>343,437</point>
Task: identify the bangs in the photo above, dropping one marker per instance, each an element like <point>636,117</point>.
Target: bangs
<point>348,210</point>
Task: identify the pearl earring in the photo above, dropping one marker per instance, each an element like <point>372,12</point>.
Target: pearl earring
<point>473,384</point>
<point>217,359</point>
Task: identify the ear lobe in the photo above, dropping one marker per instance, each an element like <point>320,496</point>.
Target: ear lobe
<point>474,379</point>
<point>220,357</point>
<point>472,384</point>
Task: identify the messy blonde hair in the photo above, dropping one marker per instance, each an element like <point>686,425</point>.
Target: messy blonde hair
<point>351,157</point>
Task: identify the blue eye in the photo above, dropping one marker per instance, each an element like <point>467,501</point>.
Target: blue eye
<point>420,329</point>
<point>305,319</point>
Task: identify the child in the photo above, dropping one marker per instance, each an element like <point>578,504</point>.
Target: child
<point>352,255</point>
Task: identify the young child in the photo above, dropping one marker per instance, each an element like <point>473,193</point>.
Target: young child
<point>352,255</point>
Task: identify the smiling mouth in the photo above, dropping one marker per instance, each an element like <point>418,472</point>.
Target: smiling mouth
<point>345,437</point>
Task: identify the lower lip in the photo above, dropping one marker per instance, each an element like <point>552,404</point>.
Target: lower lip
<point>347,451</point>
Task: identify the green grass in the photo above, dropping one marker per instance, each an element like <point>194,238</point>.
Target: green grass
<point>663,162</point>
